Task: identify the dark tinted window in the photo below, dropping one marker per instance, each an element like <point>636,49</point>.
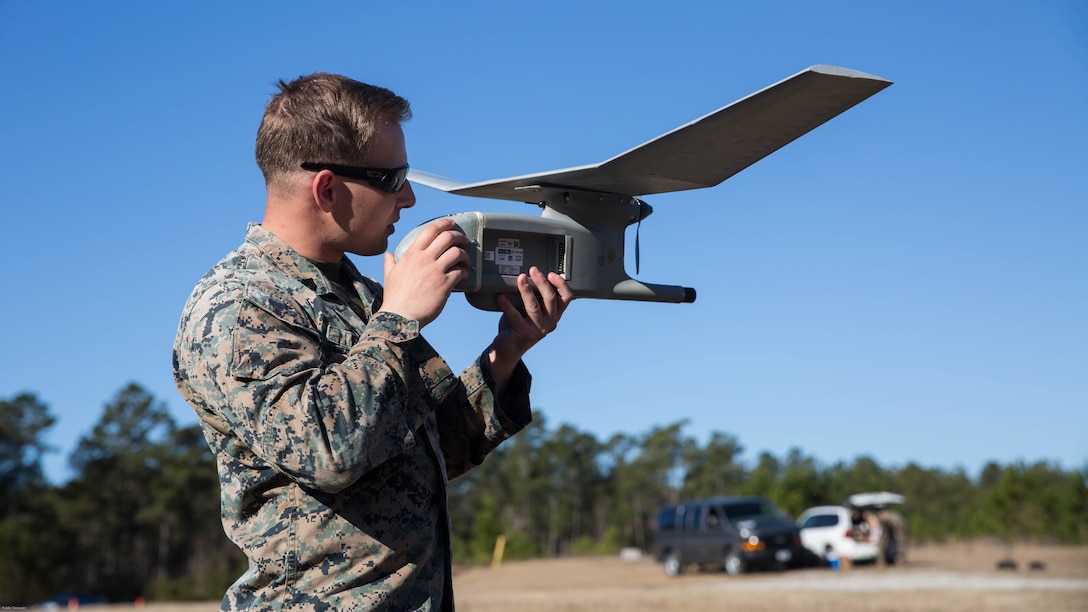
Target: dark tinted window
<point>666,519</point>
<point>821,520</point>
<point>747,510</point>
<point>713,519</point>
<point>695,515</point>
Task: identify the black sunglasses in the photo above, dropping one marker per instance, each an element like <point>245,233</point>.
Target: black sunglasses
<point>387,179</point>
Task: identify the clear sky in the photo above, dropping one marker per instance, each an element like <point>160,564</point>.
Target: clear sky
<point>907,282</point>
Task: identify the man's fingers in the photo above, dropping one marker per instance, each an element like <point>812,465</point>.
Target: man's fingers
<point>438,236</point>
<point>554,294</point>
<point>561,286</point>
<point>544,288</point>
<point>447,240</point>
<point>427,235</point>
<point>566,295</point>
<point>440,242</point>
<point>539,301</point>
<point>454,262</point>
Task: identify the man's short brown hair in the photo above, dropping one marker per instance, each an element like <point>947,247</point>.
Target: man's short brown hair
<point>323,118</point>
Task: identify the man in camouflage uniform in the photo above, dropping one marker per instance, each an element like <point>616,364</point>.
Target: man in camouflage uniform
<point>335,425</point>
<point>893,537</point>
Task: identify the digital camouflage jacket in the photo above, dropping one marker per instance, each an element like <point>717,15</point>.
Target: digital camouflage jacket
<point>335,429</point>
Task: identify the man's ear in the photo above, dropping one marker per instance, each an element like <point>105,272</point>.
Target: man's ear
<point>323,190</point>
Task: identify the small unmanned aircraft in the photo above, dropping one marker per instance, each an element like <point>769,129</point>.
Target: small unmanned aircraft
<point>586,209</point>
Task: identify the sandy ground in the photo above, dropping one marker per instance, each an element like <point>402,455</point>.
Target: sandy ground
<point>953,578</point>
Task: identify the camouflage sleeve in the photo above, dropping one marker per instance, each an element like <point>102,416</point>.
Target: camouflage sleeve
<point>467,436</point>
<point>319,401</point>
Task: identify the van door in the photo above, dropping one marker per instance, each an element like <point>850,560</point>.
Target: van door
<point>693,524</point>
<point>715,536</point>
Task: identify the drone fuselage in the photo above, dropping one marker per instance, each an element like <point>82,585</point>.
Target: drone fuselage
<point>586,250</point>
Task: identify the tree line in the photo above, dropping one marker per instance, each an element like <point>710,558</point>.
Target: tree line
<point>140,515</point>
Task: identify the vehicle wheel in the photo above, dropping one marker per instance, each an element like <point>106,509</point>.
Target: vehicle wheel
<point>733,562</point>
<point>891,555</point>
<point>672,565</point>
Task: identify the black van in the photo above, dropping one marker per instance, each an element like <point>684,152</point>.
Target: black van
<point>734,533</point>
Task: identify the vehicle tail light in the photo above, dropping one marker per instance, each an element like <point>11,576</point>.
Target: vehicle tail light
<point>849,534</point>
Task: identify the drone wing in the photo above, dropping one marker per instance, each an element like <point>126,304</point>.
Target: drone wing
<point>706,151</point>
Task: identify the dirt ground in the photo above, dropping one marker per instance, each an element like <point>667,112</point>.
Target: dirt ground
<point>952,578</point>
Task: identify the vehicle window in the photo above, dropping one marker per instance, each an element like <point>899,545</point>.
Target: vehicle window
<point>821,520</point>
<point>666,519</point>
<point>694,518</point>
<point>742,511</point>
<point>713,520</point>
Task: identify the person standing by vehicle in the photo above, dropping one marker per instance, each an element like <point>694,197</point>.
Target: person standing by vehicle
<point>874,533</point>
<point>893,537</point>
<point>335,425</point>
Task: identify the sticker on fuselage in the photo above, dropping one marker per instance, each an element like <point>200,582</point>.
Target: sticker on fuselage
<point>509,256</point>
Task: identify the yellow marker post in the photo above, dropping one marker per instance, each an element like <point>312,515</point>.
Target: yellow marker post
<point>500,546</point>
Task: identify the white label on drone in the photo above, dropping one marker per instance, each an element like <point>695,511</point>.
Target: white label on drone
<point>489,255</point>
<point>509,259</point>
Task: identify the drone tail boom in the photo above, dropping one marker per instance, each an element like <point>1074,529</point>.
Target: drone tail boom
<point>632,289</point>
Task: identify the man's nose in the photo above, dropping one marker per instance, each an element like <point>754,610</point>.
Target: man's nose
<point>406,197</point>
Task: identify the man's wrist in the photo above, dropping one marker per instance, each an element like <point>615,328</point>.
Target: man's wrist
<point>502,366</point>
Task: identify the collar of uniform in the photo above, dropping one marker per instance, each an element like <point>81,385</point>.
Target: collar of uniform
<point>287,259</point>
<point>367,289</point>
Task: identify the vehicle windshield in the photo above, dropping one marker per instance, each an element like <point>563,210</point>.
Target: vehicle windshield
<point>744,511</point>
<point>821,520</point>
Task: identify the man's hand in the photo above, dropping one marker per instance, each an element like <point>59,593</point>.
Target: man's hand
<point>418,286</point>
<point>545,298</point>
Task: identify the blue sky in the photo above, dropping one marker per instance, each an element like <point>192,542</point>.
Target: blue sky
<point>907,282</point>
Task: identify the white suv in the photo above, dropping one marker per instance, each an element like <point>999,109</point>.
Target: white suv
<point>829,533</point>
<point>835,532</point>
